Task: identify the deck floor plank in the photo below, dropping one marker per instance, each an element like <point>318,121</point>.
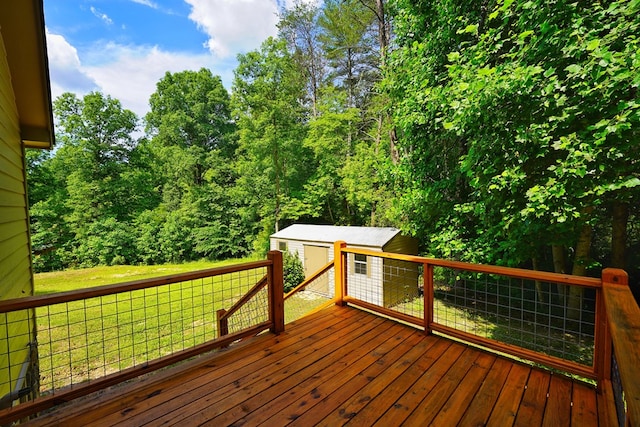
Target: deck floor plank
<point>342,366</point>
<point>315,386</point>
<point>558,409</point>
<point>430,393</point>
<point>349,407</point>
<point>386,400</point>
<point>255,378</point>
<point>305,411</point>
<point>270,400</point>
<point>584,410</point>
<point>278,379</point>
<point>506,407</point>
<point>479,410</point>
<point>534,400</point>
<point>453,410</point>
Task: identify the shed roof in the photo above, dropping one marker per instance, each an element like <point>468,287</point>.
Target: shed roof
<point>357,236</point>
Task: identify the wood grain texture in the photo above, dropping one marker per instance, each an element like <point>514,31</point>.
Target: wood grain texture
<point>342,366</point>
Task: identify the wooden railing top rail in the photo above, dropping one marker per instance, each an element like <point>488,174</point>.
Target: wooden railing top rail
<point>623,315</point>
<point>518,273</point>
<point>246,297</point>
<point>98,291</point>
<point>275,323</point>
<point>309,279</point>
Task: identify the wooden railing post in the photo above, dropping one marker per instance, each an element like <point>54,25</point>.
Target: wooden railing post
<point>623,319</point>
<point>223,323</point>
<point>427,295</point>
<point>340,271</point>
<point>276,291</point>
<point>602,342</point>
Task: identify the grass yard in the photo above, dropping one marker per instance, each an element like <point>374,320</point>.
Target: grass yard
<point>68,280</point>
<point>88,339</point>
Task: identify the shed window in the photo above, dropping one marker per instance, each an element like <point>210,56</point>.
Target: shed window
<point>360,264</point>
<point>282,246</point>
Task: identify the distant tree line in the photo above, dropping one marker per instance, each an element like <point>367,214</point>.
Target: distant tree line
<point>496,131</point>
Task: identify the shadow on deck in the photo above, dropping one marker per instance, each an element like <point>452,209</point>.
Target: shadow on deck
<point>342,365</point>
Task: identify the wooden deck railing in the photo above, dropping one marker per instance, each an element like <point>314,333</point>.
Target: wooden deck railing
<point>584,326</point>
<point>623,329</point>
<point>90,339</point>
<point>581,326</point>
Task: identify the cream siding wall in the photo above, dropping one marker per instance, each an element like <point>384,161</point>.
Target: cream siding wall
<point>16,279</point>
<point>298,245</point>
<point>386,283</point>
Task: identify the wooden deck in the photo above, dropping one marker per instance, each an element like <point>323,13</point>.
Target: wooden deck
<point>343,366</point>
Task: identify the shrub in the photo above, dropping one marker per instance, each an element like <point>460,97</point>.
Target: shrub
<point>293,271</point>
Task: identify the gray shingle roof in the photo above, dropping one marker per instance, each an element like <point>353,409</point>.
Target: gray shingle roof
<point>355,236</point>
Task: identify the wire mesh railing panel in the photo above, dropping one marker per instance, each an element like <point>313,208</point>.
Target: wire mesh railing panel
<point>90,338</point>
<point>253,311</point>
<point>314,295</point>
<point>618,393</point>
<point>17,341</point>
<point>549,318</point>
<point>385,282</point>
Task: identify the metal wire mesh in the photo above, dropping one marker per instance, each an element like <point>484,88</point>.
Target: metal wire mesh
<point>254,311</point>
<point>549,318</point>
<point>315,294</point>
<point>17,347</point>
<point>87,339</point>
<point>618,392</point>
<point>386,282</point>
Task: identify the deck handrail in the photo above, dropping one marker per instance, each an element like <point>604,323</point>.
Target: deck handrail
<point>623,317</point>
<point>275,323</point>
<point>616,325</point>
<point>309,280</point>
<point>36,301</point>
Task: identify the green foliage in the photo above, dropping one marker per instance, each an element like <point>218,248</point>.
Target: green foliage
<point>293,270</point>
<point>272,159</point>
<point>518,119</point>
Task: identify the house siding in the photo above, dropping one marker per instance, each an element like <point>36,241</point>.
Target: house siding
<point>16,278</point>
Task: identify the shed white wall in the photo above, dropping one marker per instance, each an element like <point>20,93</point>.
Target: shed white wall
<point>367,287</point>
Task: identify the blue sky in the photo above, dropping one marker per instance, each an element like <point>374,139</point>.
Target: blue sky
<point>123,47</point>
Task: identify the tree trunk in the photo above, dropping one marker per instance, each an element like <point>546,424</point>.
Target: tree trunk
<point>583,248</point>
<point>559,263</point>
<point>620,218</point>
<point>383,30</point>
<point>539,290</point>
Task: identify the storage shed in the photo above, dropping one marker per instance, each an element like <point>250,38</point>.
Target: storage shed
<point>378,281</point>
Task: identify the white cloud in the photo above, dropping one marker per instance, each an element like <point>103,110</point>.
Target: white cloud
<point>127,73</point>
<point>103,16</point>
<point>291,3</point>
<point>65,69</point>
<point>234,26</point>
<point>133,72</point>
<point>146,3</point>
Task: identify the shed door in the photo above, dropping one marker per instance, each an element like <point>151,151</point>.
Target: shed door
<point>315,257</point>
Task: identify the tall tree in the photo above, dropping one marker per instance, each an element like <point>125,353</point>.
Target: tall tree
<point>92,161</point>
<point>522,118</point>
<point>267,94</point>
<point>190,110</point>
<point>299,27</point>
<point>193,143</point>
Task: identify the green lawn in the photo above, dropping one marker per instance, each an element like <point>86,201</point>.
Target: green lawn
<point>67,280</point>
<point>94,337</point>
